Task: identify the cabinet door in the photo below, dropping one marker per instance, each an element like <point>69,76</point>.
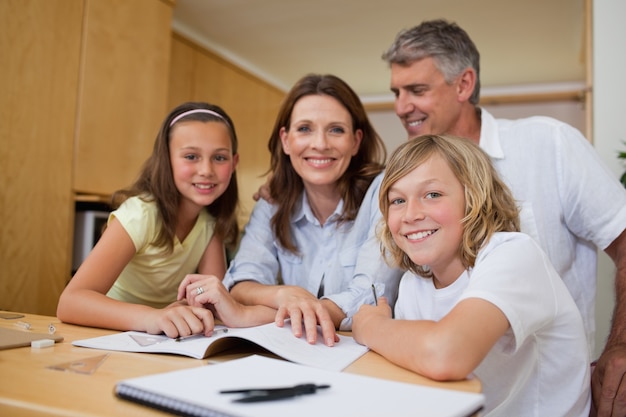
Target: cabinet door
<point>123,94</point>
<point>40,45</point>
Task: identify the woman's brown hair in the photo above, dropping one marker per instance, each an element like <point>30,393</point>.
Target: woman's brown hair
<point>286,186</point>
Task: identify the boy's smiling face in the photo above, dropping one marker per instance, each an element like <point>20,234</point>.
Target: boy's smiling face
<point>426,208</point>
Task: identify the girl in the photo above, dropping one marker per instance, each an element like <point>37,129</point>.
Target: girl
<point>174,221</point>
<point>479,296</point>
<point>325,153</point>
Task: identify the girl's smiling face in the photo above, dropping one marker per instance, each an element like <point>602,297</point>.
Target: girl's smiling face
<point>426,208</point>
<point>202,159</point>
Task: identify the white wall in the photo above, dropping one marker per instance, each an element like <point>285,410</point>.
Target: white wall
<point>389,128</point>
<point>609,93</point>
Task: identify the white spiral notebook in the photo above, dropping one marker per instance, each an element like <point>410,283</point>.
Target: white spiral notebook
<point>196,392</point>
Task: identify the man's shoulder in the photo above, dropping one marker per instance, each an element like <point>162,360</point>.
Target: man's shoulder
<point>537,122</point>
<point>541,130</point>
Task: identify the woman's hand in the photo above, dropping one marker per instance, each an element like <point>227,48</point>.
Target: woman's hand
<point>193,286</point>
<point>302,307</point>
<point>207,291</point>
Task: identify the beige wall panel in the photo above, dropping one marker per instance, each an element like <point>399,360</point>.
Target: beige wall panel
<point>182,65</point>
<point>125,73</point>
<point>208,80</point>
<point>39,55</point>
<point>250,102</point>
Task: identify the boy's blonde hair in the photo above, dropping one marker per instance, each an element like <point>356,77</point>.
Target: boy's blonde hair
<point>489,204</point>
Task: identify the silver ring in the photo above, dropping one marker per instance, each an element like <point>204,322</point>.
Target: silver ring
<point>199,290</point>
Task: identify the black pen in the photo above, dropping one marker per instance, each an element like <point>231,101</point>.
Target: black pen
<point>253,395</point>
<point>374,292</point>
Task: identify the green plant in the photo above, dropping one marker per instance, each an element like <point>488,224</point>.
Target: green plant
<point>622,155</point>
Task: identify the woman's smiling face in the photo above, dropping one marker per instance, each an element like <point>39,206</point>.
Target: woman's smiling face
<point>321,141</point>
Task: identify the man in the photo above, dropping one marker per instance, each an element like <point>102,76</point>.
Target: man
<point>569,201</point>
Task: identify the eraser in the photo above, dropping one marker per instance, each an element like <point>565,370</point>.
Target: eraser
<point>43,343</point>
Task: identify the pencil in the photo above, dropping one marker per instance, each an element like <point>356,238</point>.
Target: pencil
<point>374,292</point>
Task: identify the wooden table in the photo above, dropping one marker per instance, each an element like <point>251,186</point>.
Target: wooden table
<point>28,387</point>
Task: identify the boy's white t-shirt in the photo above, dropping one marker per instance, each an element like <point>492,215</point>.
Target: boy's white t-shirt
<point>540,366</point>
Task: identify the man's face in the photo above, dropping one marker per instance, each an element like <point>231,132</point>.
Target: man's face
<point>425,102</point>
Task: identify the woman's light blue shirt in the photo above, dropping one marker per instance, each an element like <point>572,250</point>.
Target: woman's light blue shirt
<point>338,261</point>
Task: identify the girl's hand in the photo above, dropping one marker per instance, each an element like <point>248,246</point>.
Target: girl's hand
<point>370,318</point>
<point>180,320</point>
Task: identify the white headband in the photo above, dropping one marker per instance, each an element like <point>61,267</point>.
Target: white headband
<point>206,111</point>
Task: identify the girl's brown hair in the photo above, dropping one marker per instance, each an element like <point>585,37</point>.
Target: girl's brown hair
<point>156,181</point>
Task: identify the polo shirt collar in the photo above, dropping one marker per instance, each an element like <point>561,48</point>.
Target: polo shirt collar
<point>489,135</point>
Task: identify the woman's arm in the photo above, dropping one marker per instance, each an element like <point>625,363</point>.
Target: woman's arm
<point>214,296</point>
<point>296,303</point>
<point>253,278</point>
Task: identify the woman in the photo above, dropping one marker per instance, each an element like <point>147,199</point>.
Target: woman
<point>325,153</point>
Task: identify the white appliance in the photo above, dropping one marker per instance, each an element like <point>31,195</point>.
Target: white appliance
<point>88,226</point>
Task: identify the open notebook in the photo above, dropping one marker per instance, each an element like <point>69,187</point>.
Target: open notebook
<point>278,340</point>
<point>196,392</point>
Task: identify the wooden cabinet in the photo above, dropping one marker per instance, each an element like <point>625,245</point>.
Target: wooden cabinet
<point>84,87</point>
<point>123,94</point>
